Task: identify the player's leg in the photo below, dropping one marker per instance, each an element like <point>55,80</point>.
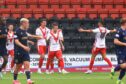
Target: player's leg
<point>94,53</point>
<point>15,74</point>
<point>51,55</point>
<point>41,51</point>
<point>26,63</point>
<point>60,61</point>
<point>5,61</point>
<point>11,53</point>
<point>103,53</point>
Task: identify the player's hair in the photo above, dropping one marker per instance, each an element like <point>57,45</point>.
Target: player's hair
<point>44,19</point>
<point>1,21</point>
<point>54,24</point>
<point>23,20</point>
<point>123,21</point>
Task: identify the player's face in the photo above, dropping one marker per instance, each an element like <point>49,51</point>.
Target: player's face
<point>43,23</point>
<point>10,27</point>
<point>55,28</point>
<point>25,24</point>
<point>125,25</point>
<point>100,24</point>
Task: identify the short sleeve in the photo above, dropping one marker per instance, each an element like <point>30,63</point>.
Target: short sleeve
<point>61,35</point>
<point>96,30</point>
<point>16,35</point>
<point>48,36</point>
<point>108,31</point>
<point>38,32</point>
<point>117,35</point>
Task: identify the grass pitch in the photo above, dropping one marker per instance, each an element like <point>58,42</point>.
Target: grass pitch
<point>71,78</point>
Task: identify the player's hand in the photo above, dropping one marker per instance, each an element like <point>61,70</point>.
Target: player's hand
<point>114,30</point>
<point>26,48</point>
<point>63,48</point>
<point>80,29</point>
<point>31,42</point>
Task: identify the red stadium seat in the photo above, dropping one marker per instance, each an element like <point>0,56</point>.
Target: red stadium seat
<point>75,3</point>
<point>114,13</point>
<point>123,13</point>
<point>71,13</point>
<point>27,13</point>
<point>81,13</point>
<point>22,3</point>
<point>54,3</point>
<point>103,13</point>
<point>11,3</point>
<point>60,13</point>
<point>87,3</point>
<point>32,3</point>
<point>5,12</point>
<point>16,13</point>
<point>2,3</point>
<point>92,13</point>
<point>65,3</point>
<point>43,4</point>
<point>97,3</point>
<point>49,13</point>
<point>37,13</point>
<point>119,3</point>
<point>108,4</point>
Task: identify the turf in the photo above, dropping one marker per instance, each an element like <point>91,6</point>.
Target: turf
<point>71,78</point>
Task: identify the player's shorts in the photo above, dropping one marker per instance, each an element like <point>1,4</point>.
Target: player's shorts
<point>57,54</point>
<point>98,50</point>
<point>11,52</point>
<point>41,50</point>
<point>121,58</point>
<point>19,57</point>
<point>3,51</point>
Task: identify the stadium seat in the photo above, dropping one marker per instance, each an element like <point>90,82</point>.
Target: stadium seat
<point>108,4</point>
<point>75,22</point>
<point>2,4</point>
<point>5,12</point>
<point>103,13</point>
<point>60,13</point>
<point>48,13</point>
<point>65,3</point>
<point>119,3</point>
<point>87,3</point>
<point>43,4</point>
<point>27,13</point>
<point>97,4</point>
<point>32,3</point>
<point>16,13</point>
<point>123,13</point>
<point>22,3</point>
<point>81,13</point>
<point>54,3</point>
<point>64,22</point>
<point>87,22</point>
<point>92,13</point>
<point>75,3</point>
<point>37,13</point>
<point>114,13</point>
<point>11,3</point>
<point>71,13</point>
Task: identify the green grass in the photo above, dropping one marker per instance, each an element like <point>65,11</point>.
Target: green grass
<point>71,78</point>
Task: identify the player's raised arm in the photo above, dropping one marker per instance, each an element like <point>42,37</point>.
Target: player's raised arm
<point>34,36</point>
<point>112,31</point>
<point>83,30</point>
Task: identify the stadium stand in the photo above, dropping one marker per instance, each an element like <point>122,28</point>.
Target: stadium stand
<point>71,14</point>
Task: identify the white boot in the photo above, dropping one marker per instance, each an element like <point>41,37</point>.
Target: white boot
<point>52,71</point>
<point>88,72</point>
<point>64,71</point>
<point>47,72</point>
<point>39,71</point>
<point>59,70</point>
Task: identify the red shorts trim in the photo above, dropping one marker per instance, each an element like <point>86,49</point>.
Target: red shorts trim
<point>57,54</point>
<point>11,52</point>
<point>98,50</point>
<point>42,50</point>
